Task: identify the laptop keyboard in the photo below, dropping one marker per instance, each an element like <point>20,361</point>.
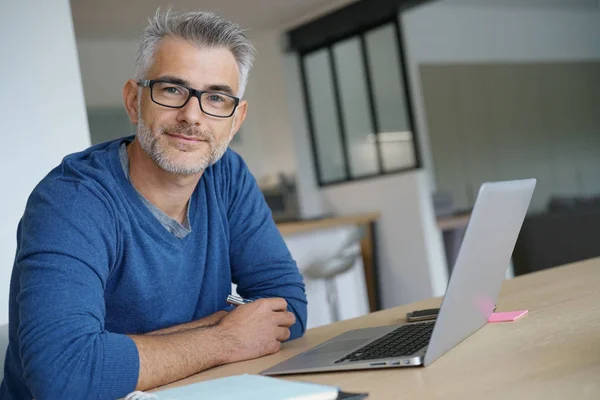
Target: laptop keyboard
<point>403,341</point>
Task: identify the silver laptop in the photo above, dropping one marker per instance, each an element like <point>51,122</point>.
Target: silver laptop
<point>469,301</point>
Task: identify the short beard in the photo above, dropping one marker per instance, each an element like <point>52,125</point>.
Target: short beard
<point>151,145</point>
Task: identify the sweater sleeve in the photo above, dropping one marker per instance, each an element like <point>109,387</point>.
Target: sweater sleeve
<point>261,263</point>
<point>67,247</point>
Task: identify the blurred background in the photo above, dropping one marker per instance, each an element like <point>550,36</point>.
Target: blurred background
<point>371,126</point>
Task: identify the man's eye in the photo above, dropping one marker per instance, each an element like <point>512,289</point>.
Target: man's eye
<point>171,90</point>
<point>215,98</point>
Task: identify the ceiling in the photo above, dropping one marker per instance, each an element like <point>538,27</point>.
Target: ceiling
<point>576,4</point>
<point>125,19</point>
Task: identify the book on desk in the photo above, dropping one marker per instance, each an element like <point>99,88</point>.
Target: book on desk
<point>250,387</point>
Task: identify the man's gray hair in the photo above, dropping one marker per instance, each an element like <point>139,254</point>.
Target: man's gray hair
<point>202,29</point>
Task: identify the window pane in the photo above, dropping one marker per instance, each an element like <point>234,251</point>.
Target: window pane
<point>396,138</point>
<point>356,113</point>
<point>322,107</point>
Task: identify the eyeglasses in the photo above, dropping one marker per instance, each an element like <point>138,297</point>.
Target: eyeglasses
<point>174,95</point>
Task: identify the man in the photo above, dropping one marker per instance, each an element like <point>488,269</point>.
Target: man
<point>127,251</point>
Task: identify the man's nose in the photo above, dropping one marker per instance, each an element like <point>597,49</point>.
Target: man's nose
<point>191,112</point>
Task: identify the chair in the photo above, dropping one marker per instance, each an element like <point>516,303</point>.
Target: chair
<point>3,347</point>
<point>342,261</point>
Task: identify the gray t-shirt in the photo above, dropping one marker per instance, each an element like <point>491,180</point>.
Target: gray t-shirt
<point>180,231</point>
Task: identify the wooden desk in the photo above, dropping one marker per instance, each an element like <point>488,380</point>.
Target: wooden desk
<point>551,353</point>
<point>290,228</point>
<point>367,244</point>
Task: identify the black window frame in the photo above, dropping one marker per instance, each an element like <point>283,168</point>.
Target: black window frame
<point>359,32</point>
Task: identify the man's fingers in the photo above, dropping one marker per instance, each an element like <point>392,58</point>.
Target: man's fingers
<point>284,318</point>
<point>274,303</point>
<point>284,335</point>
<point>290,319</point>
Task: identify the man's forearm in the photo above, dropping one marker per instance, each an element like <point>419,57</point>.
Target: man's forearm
<point>249,331</point>
<point>165,358</point>
<point>179,351</point>
<point>204,322</point>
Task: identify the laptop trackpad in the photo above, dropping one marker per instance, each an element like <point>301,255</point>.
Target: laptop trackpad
<point>336,346</point>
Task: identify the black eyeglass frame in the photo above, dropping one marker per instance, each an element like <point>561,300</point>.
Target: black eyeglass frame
<point>149,83</point>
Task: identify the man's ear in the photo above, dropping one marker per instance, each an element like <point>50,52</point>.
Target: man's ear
<point>239,117</point>
<point>130,99</point>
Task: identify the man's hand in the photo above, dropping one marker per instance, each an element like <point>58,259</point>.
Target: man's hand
<point>256,329</point>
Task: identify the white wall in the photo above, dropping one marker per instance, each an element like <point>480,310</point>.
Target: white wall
<point>499,31</point>
<point>266,141</point>
<point>105,67</point>
<point>38,129</point>
<point>409,246</point>
<point>311,202</point>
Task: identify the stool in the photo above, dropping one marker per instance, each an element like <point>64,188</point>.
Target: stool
<point>342,261</point>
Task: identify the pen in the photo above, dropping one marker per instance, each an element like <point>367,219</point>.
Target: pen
<point>237,300</point>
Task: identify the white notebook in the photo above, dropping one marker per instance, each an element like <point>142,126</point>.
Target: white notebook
<point>244,387</point>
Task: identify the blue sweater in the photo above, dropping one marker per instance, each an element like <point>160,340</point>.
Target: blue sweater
<point>93,264</point>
